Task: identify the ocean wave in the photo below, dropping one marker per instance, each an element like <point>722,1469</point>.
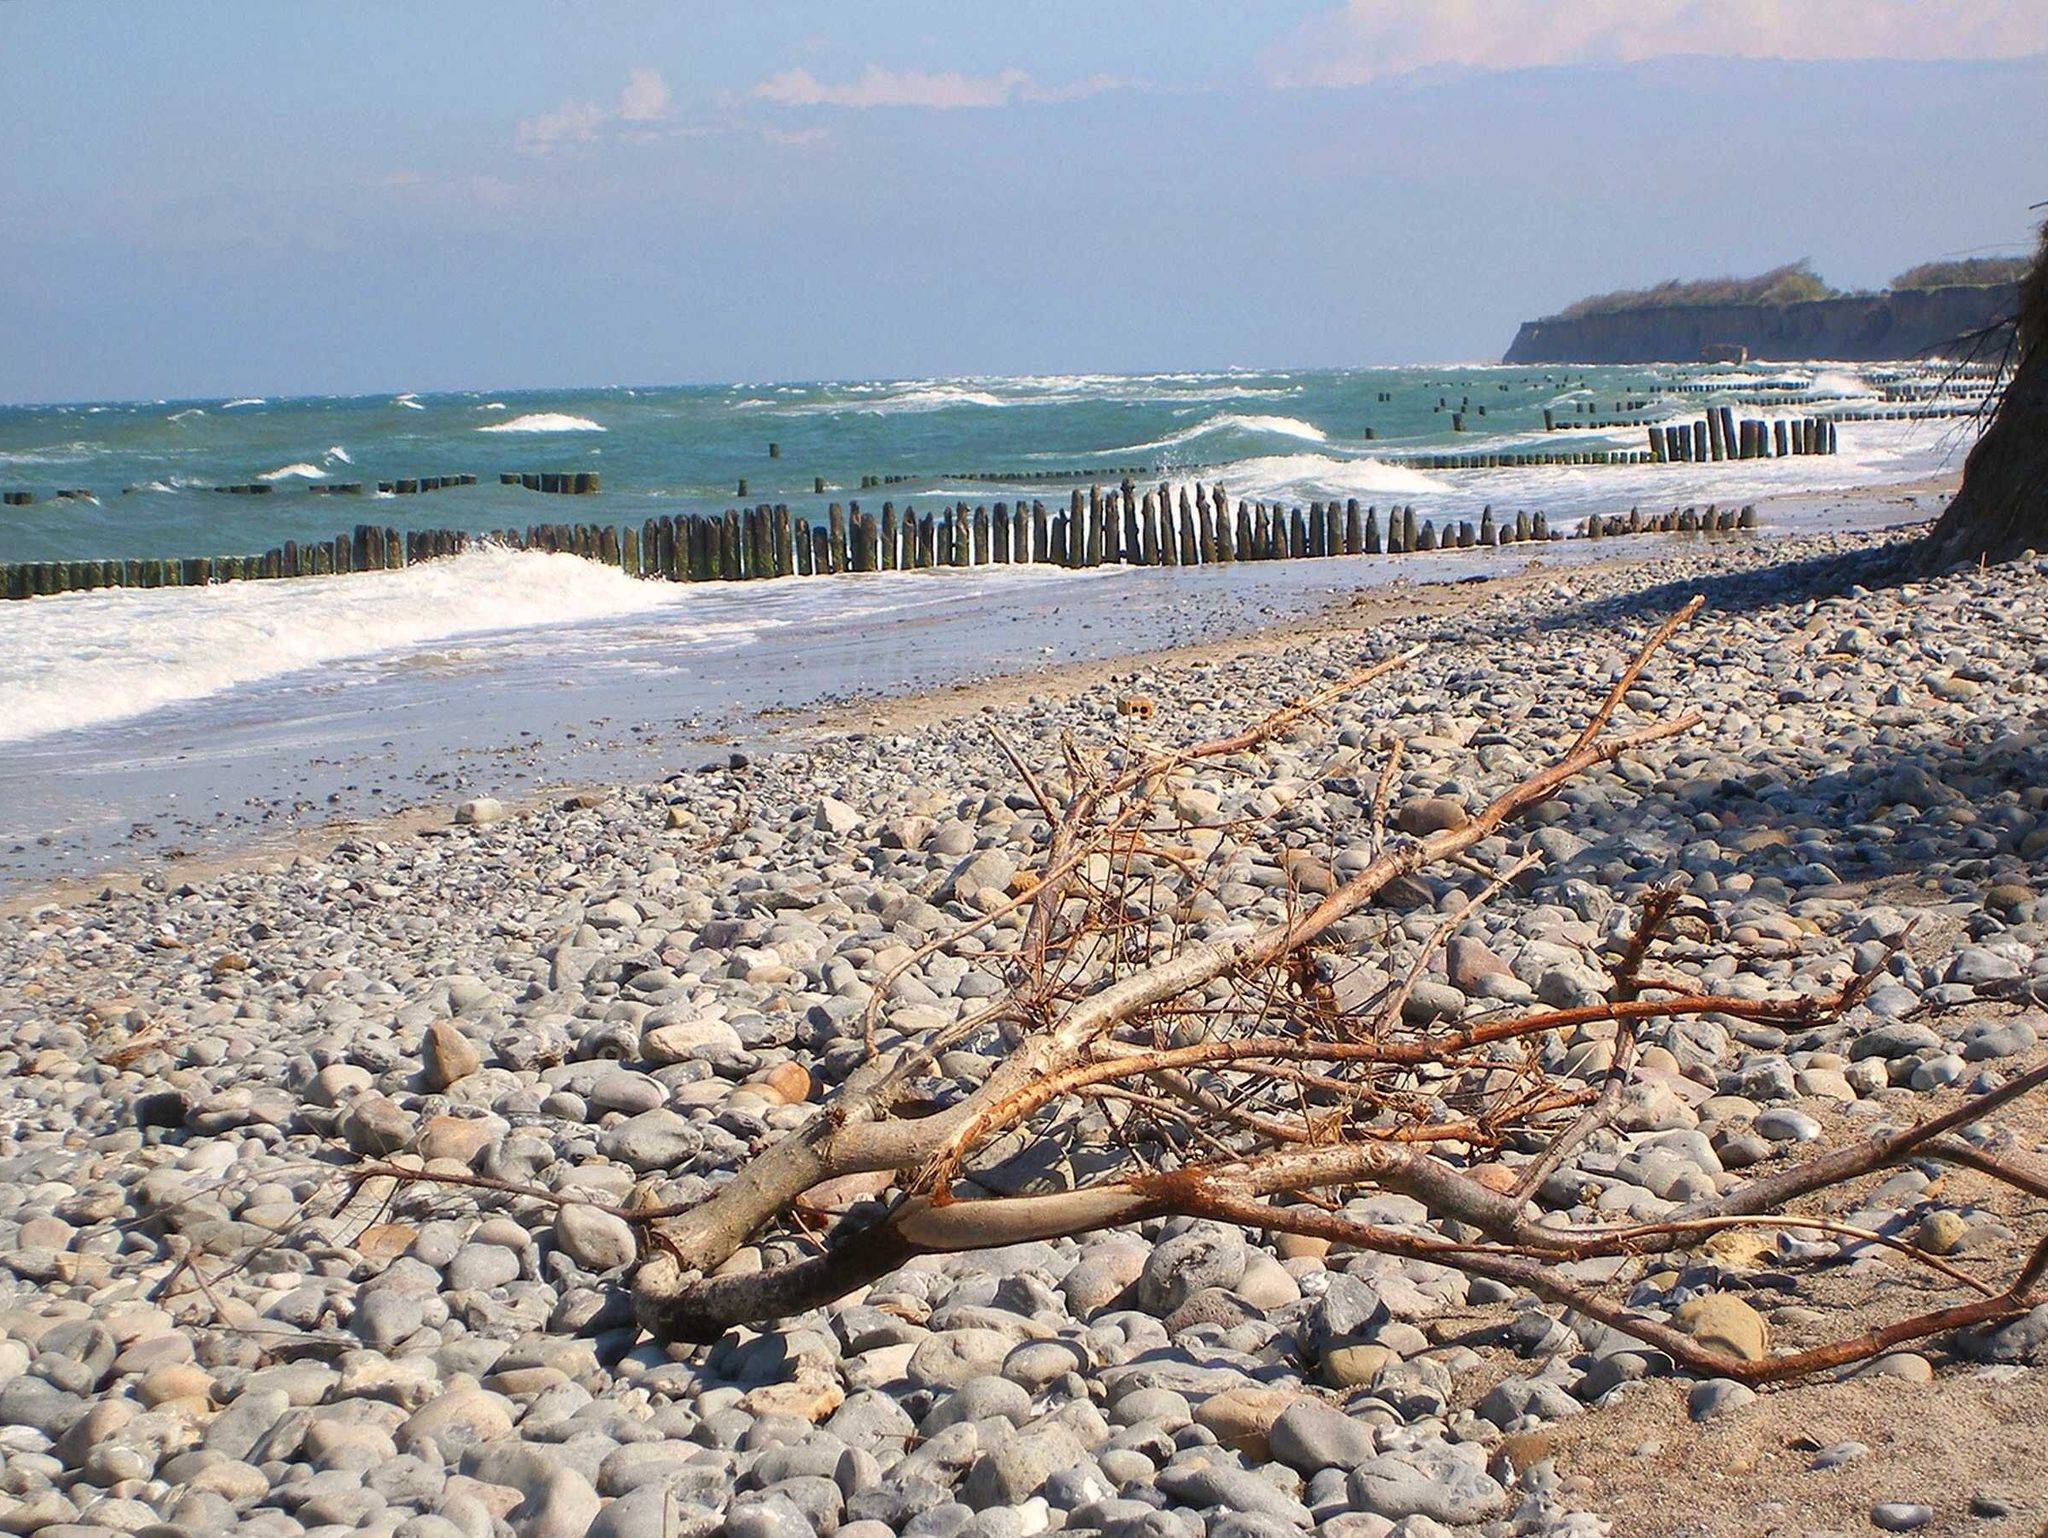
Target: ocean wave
<point>338,452</point>
<point>301,471</point>
<point>543,422</point>
<point>246,400</point>
<point>1271,477</point>
<point>71,453</point>
<point>1230,421</point>
<point>88,658</point>
<point>933,398</point>
<point>189,411</point>
<point>408,401</point>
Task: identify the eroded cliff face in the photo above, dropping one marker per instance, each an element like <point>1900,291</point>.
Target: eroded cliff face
<point>1903,324</point>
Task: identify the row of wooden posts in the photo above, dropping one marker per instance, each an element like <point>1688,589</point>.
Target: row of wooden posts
<point>1719,436</point>
<point>1120,527</point>
<point>366,548</point>
<point>1200,525</point>
<point>1680,520</point>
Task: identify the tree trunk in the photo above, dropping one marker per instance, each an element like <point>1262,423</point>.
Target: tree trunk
<point>2002,509</point>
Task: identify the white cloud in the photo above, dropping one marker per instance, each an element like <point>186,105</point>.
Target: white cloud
<point>940,90</point>
<point>1365,40</point>
<point>643,99</point>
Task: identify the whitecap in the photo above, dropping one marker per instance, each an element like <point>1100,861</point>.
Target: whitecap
<point>1230,421</point>
<point>408,402</point>
<point>544,422</point>
<point>301,470</point>
<point>246,400</point>
<point>340,453</point>
<point>189,411</point>
<point>85,658</point>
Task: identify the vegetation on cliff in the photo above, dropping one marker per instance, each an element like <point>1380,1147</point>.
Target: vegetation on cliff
<point>1971,272</point>
<point>1781,285</point>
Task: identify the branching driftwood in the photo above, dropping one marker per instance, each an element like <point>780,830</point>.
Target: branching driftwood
<point>1227,1078</point>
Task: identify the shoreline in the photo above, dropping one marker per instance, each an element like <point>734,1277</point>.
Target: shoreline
<point>778,728</point>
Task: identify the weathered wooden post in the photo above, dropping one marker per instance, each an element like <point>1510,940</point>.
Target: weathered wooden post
<point>730,547</point>
<point>982,554</point>
<point>821,550</point>
<point>835,526</point>
<point>1487,533</point>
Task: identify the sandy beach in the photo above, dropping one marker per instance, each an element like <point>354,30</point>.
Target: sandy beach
<point>591,985</point>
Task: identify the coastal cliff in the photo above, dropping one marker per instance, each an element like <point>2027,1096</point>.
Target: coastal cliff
<point>1901,323</point>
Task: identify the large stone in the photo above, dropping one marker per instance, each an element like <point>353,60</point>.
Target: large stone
<point>952,1359</point>
<point>479,810</point>
<point>1430,814</point>
<point>1188,1264</point>
<point>457,1421</point>
<point>653,1140</point>
<point>835,816</point>
<point>595,1239</point>
<point>447,1056</point>
<point>1439,1480</point>
<point>684,1040</point>
<point>1242,1418</point>
<point>561,1505</point>
<point>1310,1436</point>
<point>1205,1485</point>
<point>1016,1468</point>
<point>376,1125</point>
<point>1722,1322</point>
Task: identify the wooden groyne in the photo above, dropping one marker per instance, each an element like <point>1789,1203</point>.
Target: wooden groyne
<point>1718,436</point>
<point>1129,525</point>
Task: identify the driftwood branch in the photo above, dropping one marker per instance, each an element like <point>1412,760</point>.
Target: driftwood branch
<point>1223,1077</point>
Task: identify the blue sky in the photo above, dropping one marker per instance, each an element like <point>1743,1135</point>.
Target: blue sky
<point>230,198</point>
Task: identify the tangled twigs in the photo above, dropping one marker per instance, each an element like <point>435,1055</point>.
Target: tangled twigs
<point>1152,1052</point>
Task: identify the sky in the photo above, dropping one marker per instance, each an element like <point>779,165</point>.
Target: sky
<point>240,197</point>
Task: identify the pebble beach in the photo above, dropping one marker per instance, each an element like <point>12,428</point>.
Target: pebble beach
<point>206,1327</point>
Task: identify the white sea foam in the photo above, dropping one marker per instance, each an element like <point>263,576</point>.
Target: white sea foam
<point>934,398</point>
<point>407,401</point>
<point>544,422</point>
<point>1231,421</point>
<point>87,658</point>
<point>1274,476</point>
<point>1840,382</point>
<point>338,452</point>
<point>300,471</point>
<point>246,400</point>
<point>76,452</point>
<point>189,411</point>
<point>492,406</point>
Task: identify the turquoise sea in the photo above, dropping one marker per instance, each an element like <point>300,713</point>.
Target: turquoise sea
<point>274,694</point>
